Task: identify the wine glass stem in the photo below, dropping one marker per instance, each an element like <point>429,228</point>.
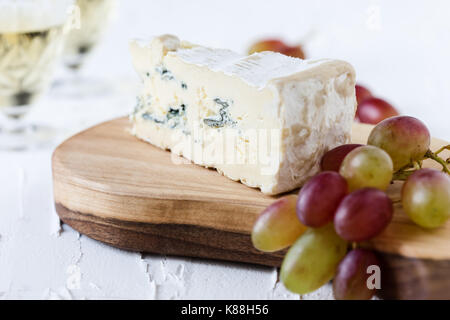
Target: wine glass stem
<point>13,128</point>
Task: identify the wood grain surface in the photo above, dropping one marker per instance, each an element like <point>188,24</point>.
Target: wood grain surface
<point>119,190</point>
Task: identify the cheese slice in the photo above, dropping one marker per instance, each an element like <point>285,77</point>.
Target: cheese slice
<point>264,119</point>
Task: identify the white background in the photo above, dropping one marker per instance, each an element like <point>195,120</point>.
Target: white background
<point>400,50</point>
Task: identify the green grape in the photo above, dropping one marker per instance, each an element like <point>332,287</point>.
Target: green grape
<point>312,260</point>
<point>426,198</point>
<point>404,138</point>
<point>367,167</point>
<point>277,227</point>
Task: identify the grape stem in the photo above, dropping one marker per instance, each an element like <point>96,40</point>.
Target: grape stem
<point>408,166</point>
<point>419,164</point>
<point>403,173</point>
<point>442,149</point>
<point>435,157</point>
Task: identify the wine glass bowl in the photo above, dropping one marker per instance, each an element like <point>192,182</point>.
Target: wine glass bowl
<point>32,36</point>
<point>27,61</point>
<point>95,16</point>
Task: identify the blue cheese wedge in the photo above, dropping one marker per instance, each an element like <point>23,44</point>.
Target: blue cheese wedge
<point>264,119</point>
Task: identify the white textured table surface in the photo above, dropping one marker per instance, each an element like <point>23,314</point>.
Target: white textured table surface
<point>399,50</point>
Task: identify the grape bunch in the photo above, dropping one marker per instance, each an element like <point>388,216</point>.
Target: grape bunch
<point>346,204</point>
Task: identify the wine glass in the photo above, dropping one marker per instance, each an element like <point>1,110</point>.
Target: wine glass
<point>31,41</point>
<point>95,17</point>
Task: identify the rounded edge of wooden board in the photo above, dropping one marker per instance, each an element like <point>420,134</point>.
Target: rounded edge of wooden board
<point>170,239</point>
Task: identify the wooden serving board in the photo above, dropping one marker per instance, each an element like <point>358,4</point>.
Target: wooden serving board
<point>119,190</point>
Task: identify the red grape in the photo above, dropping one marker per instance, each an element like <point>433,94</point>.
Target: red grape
<point>331,160</point>
<point>295,52</point>
<point>277,46</point>
<point>373,110</point>
<point>426,197</point>
<point>268,45</point>
<point>350,282</point>
<point>404,138</point>
<point>277,227</point>
<point>367,166</point>
<point>363,214</point>
<point>362,93</point>
<point>319,199</point>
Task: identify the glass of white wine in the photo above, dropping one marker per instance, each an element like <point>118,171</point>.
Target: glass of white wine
<point>95,16</point>
<point>31,41</point>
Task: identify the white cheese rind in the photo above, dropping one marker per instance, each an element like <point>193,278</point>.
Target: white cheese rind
<point>264,119</point>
